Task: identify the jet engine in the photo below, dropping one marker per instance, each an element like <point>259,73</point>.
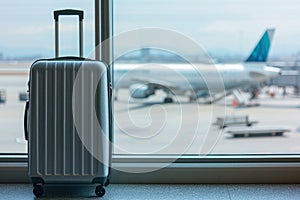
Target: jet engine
<point>202,94</point>
<point>141,91</point>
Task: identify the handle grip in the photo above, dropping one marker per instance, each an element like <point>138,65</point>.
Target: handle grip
<point>57,13</point>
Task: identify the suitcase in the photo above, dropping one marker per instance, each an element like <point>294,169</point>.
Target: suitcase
<point>66,119</point>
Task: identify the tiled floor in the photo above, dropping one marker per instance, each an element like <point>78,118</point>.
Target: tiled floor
<point>174,192</point>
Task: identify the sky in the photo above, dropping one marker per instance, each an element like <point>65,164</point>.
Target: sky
<point>220,26</point>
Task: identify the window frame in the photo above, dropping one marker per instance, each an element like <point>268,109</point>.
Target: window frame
<point>186,169</point>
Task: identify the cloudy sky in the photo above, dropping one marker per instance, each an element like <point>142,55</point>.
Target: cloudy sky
<point>218,25</point>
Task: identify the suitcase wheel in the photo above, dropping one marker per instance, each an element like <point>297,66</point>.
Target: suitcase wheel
<point>100,191</point>
<point>38,190</point>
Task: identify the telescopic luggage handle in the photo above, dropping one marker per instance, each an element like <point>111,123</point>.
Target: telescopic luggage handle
<point>80,14</point>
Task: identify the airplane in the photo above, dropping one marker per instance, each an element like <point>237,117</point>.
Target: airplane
<point>184,80</point>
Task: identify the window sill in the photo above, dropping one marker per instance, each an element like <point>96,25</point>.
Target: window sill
<point>188,169</point>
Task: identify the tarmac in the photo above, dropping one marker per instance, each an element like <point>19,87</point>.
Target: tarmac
<point>148,126</point>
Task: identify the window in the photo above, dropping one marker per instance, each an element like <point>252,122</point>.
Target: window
<point>151,133</point>
<point>156,65</point>
<point>28,35</point>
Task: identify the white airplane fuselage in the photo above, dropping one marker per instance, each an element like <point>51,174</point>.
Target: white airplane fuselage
<point>182,78</point>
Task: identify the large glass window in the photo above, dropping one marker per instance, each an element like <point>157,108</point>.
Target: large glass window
<point>183,68</point>
<point>179,68</point>
<point>27,34</point>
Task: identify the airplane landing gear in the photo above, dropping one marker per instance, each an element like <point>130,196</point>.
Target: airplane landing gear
<point>192,99</point>
<point>168,100</point>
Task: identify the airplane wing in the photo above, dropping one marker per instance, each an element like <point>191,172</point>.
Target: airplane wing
<point>158,84</point>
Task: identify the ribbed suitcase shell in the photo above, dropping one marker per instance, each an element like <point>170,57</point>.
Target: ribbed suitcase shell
<point>56,152</point>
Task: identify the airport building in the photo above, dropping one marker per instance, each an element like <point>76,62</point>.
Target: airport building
<point>290,76</point>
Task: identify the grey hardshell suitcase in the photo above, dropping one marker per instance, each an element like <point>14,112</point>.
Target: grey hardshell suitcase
<point>67,120</point>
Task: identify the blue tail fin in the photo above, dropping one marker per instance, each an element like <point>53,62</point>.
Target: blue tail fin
<point>261,51</point>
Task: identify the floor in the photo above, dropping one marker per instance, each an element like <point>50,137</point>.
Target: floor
<point>147,192</point>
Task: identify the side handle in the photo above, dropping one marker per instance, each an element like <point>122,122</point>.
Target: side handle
<point>26,120</point>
